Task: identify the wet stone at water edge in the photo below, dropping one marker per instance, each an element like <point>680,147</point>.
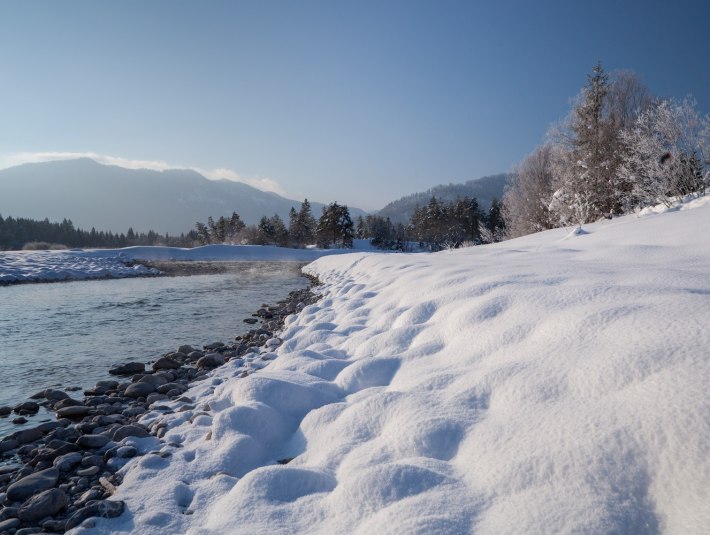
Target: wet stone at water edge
<point>66,470</point>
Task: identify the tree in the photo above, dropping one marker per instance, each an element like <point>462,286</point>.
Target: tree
<point>667,154</point>
<point>526,201</point>
<point>302,225</point>
<point>584,158</point>
<point>335,227</point>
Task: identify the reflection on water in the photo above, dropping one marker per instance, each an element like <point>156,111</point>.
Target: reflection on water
<point>69,334</point>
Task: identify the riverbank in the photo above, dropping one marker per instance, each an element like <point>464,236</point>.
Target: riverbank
<point>58,474</point>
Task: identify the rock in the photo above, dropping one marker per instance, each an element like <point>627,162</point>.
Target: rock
<point>54,526</point>
<point>107,385</point>
<point>19,421</point>
<point>126,452</point>
<point>155,380</point>
<point>67,461</point>
<point>55,395</point>
<point>250,321</point>
<point>164,389</point>
<point>10,523</point>
<point>73,412</point>
<point>166,363</point>
<point>91,494</point>
<point>8,512</point>
<point>103,509</point>
<point>32,484</point>
<point>210,360</point>
<point>4,411</point>
<point>8,444</point>
<point>128,368</point>
<point>139,390</point>
<point>186,349</point>
<point>46,427</point>
<point>47,503</point>
<point>67,402</point>
<point>213,346</point>
<point>195,355</point>
<point>152,398</point>
<point>92,441</point>
<point>129,431</point>
<point>87,472</point>
<point>28,407</point>
<point>92,460</point>
<point>27,435</point>
<point>108,485</point>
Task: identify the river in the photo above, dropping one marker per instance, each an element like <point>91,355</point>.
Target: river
<point>69,334</point>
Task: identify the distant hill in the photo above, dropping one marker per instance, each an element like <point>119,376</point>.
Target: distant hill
<point>114,198</point>
<point>484,189</point>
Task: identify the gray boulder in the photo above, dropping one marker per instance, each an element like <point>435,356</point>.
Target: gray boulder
<point>129,431</point>
<point>210,360</point>
<point>47,503</point>
<point>128,368</point>
<point>139,390</point>
<point>32,484</point>
<point>73,411</point>
<point>166,363</point>
<point>92,441</point>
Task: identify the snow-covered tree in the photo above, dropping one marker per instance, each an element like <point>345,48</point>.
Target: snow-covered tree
<point>526,201</point>
<point>335,228</point>
<point>667,154</point>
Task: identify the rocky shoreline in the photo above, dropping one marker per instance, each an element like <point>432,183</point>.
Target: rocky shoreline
<point>60,474</point>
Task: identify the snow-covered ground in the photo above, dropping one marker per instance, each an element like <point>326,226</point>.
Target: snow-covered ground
<point>557,383</point>
<point>77,264</point>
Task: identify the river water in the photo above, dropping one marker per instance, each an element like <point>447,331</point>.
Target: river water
<point>69,334</point>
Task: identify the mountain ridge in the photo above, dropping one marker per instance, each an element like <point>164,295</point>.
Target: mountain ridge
<point>484,189</point>
<point>110,197</point>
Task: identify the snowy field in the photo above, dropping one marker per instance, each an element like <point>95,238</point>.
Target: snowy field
<point>47,266</point>
<point>557,383</point>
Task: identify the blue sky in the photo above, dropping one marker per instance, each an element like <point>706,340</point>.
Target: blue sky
<point>360,102</point>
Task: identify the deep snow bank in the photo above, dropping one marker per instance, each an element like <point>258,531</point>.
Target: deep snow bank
<point>555,383</point>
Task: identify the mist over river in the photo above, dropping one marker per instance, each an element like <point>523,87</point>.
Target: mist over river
<point>68,334</point>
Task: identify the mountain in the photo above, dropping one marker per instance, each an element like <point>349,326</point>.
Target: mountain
<point>114,198</point>
<point>484,189</point>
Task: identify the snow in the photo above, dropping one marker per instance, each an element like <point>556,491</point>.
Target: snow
<point>77,264</point>
<point>556,383</point>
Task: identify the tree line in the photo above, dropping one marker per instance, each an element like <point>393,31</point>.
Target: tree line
<point>619,150</point>
<point>438,225</point>
<point>21,232</point>
<point>334,228</point>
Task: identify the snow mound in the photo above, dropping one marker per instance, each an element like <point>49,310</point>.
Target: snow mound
<point>549,384</point>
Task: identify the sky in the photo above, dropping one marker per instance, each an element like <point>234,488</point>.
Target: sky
<point>360,102</point>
